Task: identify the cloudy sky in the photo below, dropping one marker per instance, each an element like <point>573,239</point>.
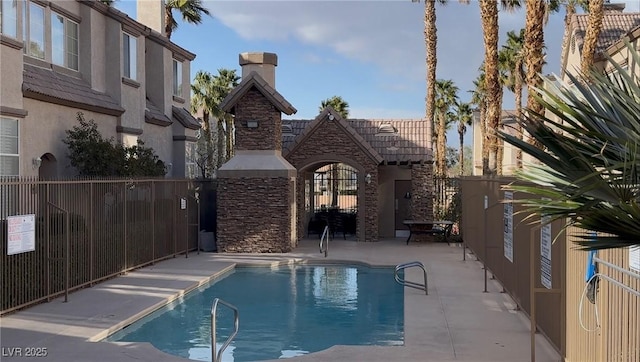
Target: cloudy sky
<point>371,53</point>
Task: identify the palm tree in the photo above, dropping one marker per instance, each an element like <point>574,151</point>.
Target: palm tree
<point>478,97</point>
<point>191,10</point>
<point>202,99</point>
<point>489,15</point>
<point>536,17</point>
<point>596,13</point>
<point>431,43</point>
<point>338,104</point>
<point>208,92</point>
<point>588,172</point>
<point>464,114</point>
<point>446,96</point>
<point>222,84</point>
<point>513,55</point>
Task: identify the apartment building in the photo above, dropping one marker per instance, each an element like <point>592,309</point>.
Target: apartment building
<point>61,57</point>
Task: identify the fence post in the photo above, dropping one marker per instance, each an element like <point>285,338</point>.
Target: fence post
<point>67,251</point>
<point>153,222</point>
<point>124,224</point>
<point>91,235</point>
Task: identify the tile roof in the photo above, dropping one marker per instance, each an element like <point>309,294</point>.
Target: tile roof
<point>408,145</point>
<point>153,115</point>
<point>185,118</point>
<point>255,80</point>
<point>614,26</point>
<point>49,86</point>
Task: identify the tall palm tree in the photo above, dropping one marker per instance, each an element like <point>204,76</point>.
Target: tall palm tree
<point>431,44</point>
<point>208,92</point>
<point>478,97</point>
<point>513,55</point>
<point>223,83</point>
<point>338,104</point>
<point>596,13</point>
<point>446,96</point>
<point>489,15</point>
<point>191,10</point>
<point>536,17</point>
<point>464,114</point>
<point>203,99</point>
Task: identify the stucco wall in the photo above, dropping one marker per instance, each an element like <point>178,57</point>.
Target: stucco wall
<point>11,70</point>
<point>44,129</point>
<point>386,197</point>
<point>254,215</point>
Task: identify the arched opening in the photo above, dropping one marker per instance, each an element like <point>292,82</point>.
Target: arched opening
<point>48,168</point>
<point>331,199</point>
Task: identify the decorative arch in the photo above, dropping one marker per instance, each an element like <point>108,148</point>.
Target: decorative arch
<point>48,169</point>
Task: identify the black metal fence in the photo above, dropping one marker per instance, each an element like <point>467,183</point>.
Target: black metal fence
<point>84,231</point>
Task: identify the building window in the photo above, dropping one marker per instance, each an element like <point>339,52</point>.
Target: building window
<point>129,51</point>
<point>64,41</point>
<point>34,30</point>
<point>9,157</point>
<point>177,78</point>
<point>190,160</point>
<point>9,18</point>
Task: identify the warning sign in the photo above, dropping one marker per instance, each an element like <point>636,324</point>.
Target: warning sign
<point>21,234</point>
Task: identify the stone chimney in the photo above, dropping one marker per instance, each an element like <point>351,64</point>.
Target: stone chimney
<point>262,63</point>
<point>151,14</point>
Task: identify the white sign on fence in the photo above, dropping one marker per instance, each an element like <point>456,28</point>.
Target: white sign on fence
<point>634,258</point>
<point>545,254</point>
<point>508,226</point>
<point>21,234</point>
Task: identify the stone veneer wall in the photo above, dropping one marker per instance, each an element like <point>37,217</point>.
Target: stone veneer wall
<point>254,215</point>
<point>268,135</point>
<point>329,142</point>
<point>422,196</point>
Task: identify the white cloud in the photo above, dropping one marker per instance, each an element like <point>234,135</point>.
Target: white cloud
<point>386,34</point>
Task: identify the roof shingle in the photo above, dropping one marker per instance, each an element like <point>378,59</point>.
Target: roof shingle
<point>50,86</point>
<point>614,26</point>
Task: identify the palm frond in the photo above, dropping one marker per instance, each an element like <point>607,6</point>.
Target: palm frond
<point>589,164</point>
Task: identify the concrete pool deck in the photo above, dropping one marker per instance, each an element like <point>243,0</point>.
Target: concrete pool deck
<point>455,322</point>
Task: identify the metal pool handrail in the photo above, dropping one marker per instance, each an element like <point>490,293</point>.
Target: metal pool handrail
<point>216,356</point>
<point>324,247</point>
<point>407,283</point>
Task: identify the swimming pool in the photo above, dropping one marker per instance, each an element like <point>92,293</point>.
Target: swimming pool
<point>284,312</point>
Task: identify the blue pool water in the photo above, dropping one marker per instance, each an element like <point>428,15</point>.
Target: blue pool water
<point>284,312</point>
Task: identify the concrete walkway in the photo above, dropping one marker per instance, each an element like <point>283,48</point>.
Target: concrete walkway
<point>455,322</point>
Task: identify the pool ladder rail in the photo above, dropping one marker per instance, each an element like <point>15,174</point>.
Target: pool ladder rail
<point>324,246</point>
<point>408,283</point>
<point>216,356</point>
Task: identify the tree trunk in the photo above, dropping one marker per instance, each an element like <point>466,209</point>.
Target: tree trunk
<point>533,45</point>
<point>206,133</point>
<point>431,41</point>
<point>485,141</point>
<point>220,143</point>
<point>489,14</point>
<point>596,13</point>
<point>461,153</point>
<point>441,144</point>
<point>168,19</point>
<point>518,94</point>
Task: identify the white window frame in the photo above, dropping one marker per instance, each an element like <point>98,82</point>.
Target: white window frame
<point>29,27</point>
<point>177,78</point>
<point>3,153</point>
<point>70,59</point>
<point>129,56</point>
<point>9,17</point>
